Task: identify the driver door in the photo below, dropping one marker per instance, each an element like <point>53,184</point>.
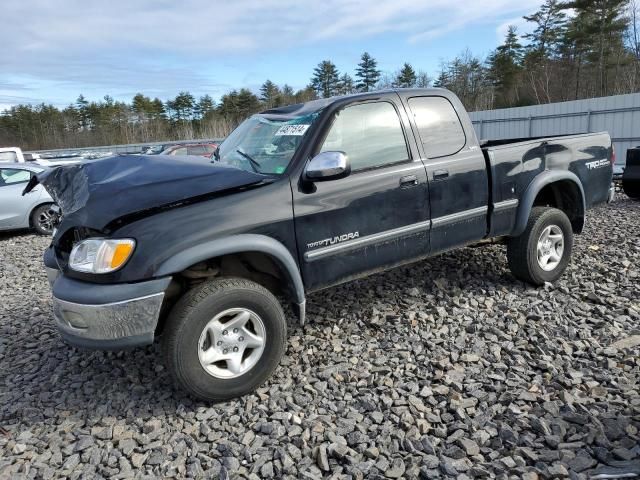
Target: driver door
<point>376,217</point>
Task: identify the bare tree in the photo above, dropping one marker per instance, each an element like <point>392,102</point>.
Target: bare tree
<point>633,30</point>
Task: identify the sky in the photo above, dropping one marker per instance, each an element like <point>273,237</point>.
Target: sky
<point>53,51</point>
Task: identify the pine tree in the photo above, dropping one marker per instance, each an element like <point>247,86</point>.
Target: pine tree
<point>305,95</point>
<point>633,31</point>
<point>551,22</point>
<point>423,80</point>
<point>346,85</point>
<point>443,79</point>
<point>367,73</point>
<point>157,108</point>
<point>504,66</point>
<point>205,107</point>
<point>142,106</point>
<point>228,105</point>
<point>182,106</point>
<point>326,79</point>
<point>270,94</point>
<point>545,46</point>
<point>248,103</point>
<point>287,95</point>
<point>406,78</point>
<point>82,109</point>
<point>511,47</point>
<point>597,29</point>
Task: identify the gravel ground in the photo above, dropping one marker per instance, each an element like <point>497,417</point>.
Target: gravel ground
<point>447,368</point>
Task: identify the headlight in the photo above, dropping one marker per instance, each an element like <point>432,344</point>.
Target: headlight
<point>101,255</point>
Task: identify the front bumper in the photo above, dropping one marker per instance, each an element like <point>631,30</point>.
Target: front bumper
<point>106,316</point>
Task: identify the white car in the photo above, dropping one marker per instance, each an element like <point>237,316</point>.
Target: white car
<point>34,210</point>
<point>11,154</point>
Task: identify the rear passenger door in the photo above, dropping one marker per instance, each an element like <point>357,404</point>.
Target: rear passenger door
<point>458,179</point>
<point>376,217</point>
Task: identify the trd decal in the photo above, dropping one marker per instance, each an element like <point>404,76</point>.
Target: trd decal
<point>597,164</point>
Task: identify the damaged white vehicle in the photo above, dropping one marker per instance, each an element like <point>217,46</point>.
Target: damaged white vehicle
<point>35,209</point>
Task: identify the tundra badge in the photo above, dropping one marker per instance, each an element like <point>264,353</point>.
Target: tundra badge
<point>332,241</point>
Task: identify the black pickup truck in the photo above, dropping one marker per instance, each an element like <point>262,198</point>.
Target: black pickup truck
<point>298,199</point>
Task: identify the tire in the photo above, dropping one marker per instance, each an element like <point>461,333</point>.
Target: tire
<point>43,220</point>
<point>185,340</point>
<point>631,188</point>
<point>522,251</point>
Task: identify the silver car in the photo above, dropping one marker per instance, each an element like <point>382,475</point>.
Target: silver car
<point>34,210</point>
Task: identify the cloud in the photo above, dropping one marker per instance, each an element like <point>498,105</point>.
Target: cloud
<point>162,46</point>
<point>458,15</point>
<point>520,23</point>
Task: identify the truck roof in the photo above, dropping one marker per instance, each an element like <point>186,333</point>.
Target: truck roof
<point>313,106</point>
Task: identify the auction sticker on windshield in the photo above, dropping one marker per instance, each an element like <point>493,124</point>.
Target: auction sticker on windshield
<point>292,130</point>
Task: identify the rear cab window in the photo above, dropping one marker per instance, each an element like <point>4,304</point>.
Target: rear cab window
<point>439,126</point>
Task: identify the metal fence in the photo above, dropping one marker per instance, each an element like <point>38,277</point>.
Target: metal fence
<point>128,148</point>
<point>619,115</point>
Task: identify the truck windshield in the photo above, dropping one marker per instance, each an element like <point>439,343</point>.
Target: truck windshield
<point>264,145</point>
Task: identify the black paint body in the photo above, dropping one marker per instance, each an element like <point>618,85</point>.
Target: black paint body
<point>631,175</point>
<point>459,199</point>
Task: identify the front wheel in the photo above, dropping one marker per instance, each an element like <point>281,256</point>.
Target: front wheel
<point>44,219</point>
<point>541,254</point>
<point>224,338</point>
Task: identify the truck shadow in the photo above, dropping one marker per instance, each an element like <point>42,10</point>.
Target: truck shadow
<point>9,234</point>
<point>82,386</point>
<point>424,284</point>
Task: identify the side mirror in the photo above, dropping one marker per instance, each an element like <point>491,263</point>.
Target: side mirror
<point>328,166</point>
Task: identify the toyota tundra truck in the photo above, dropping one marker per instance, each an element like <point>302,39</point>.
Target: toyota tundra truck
<point>298,199</point>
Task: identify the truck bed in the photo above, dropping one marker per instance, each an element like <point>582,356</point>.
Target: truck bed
<point>513,164</point>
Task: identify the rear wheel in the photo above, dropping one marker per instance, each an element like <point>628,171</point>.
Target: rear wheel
<point>44,219</point>
<point>631,188</point>
<point>541,254</point>
<point>224,338</point>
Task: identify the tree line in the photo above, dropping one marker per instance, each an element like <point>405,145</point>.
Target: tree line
<point>575,49</point>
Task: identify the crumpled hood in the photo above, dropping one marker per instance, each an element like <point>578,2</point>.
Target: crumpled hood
<point>95,193</point>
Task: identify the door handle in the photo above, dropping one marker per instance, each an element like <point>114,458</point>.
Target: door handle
<point>440,174</point>
<point>408,181</point>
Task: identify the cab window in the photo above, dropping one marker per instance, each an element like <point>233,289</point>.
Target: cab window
<point>370,134</point>
<point>179,151</point>
<point>197,150</point>
<point>440,130</point>
<point>10,176</point>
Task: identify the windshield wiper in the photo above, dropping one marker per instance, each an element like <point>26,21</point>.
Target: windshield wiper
<point>254,164</point>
